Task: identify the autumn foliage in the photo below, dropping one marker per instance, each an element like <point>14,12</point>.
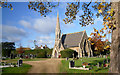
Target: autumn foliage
<point>98,45</point>
<point>20,50</point>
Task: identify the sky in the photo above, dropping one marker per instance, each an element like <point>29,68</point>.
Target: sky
<point>23,26</point>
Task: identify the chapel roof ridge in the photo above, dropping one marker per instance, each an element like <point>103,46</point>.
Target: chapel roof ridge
<point>74,33</point>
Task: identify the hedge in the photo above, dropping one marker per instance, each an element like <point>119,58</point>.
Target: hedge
<point>67,53</point>
<point>40,53</point>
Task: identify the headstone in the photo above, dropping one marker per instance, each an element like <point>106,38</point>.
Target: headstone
<point>71,63</point>
<point>99,64</point>
<point>19,63</point>
<point>67,58</point>
<point>4,64</point>
<point>104,56</point>
<point>104,62</point>
<point>81,59</point>
<point>84,66</point>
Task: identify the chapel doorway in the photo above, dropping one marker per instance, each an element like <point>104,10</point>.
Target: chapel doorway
<point>55,54</point>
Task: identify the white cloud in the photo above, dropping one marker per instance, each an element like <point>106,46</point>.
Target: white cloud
<point>25,23</point>
<point>44,25</point>
<point>98,20</point>
<point>48,40</point>
<point>12,33</point>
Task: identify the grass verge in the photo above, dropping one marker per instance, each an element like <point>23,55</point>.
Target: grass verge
<point>23,69</point>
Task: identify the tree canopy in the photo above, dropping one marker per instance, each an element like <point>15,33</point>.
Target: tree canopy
<point>7,47</point>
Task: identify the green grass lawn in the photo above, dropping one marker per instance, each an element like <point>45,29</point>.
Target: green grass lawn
<point>23,69</point>
<point>64,67</point>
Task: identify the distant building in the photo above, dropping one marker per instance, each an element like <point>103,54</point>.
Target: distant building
<point>42,47</point>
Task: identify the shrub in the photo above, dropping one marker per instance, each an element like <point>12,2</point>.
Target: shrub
<point>67,53</point>
<point>41,54</point>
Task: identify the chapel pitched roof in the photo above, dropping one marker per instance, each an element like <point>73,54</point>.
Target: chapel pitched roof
<point>71,39</point>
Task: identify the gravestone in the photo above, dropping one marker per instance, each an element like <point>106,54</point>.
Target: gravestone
<point>67,58</point>
<point>81,59</point>
<point>99,64</point>
<point>71,63</point>
<point>19,63</point>
<point>108,60</point>
<point>11,56</point>
<point>104,62</point>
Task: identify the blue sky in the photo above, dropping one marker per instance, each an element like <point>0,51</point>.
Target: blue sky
<point>23,25</point>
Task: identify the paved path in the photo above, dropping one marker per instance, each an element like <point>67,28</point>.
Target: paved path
<point>44,66</point>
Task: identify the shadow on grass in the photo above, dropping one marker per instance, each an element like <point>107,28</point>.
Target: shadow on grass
<point>99,69</point>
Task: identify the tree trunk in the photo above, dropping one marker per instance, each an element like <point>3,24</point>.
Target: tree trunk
<point>115,46</point>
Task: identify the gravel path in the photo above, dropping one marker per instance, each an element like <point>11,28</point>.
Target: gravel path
<point>44,66</point>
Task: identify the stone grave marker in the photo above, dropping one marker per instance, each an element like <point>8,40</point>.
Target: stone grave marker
<point>108,60</point>
<point>67,59</point>
<point>19,63</point>
<point>104,56</point>
<point>104,62</point>
<point>99,64</point>
<point>71,63</point>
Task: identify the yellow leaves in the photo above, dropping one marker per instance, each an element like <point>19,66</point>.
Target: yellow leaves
<point>100,6</point>
<point>111,14</point>
<point>106,23</point>
<point>89,38</point>
<point>114,26</point>
<point>107,47</point>
<point>104,36</point>
<point>101,30</point>
<point>96,48</point>
<point>100,11</point>
<point>98,34</point>
<point>11,8</point>
<point>109,27</point>
<point>105,28</point>
<point>108,11</point>
<point>92,43</point>
<point>105,16</point>
<point>103,23</point>
<point>111,11</point>
<point>109,32</point>
<point>92,23</point>
<point>108,18</point>
<point>101,3</point>
<point>63,20</point>
<point>95,30</point>
<point>91,34</point>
